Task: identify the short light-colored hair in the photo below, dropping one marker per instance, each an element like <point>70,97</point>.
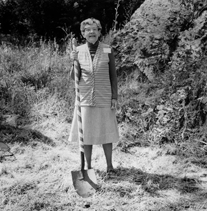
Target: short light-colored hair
<point>90,21</point>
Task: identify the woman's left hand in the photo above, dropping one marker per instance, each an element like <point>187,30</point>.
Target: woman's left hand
<point>113,104</point>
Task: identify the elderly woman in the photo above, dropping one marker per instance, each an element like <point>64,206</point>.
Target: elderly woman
<point>98,93</point>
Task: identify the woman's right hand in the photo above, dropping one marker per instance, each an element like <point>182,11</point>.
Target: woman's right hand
<point>74,55</point>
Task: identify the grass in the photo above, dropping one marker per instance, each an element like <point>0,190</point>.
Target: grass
<point>36,88</point>
<point>146,178</point>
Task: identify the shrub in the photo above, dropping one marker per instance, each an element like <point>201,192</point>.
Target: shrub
<point>31,75</point>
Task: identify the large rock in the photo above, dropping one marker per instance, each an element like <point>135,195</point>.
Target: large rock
<point>148,41</point>
<point>191,47</point>
<point>165,38</point>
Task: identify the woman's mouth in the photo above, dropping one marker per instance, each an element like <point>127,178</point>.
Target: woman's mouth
<point>92,36</point>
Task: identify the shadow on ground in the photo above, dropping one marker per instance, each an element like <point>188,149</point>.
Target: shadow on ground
<point>190,190</point>
<point>10,135</point>
<point>153,182</point>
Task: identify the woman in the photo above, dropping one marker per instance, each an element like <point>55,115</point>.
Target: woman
<point>98,93</point>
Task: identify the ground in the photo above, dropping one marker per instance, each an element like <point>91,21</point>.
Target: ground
<point>146,178</point>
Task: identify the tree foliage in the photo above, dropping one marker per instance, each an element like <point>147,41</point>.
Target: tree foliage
<point>54,18</point>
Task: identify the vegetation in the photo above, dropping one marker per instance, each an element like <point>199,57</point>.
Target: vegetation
<point>164,93</point>
<point>161,156</point>
<point>25,21</point>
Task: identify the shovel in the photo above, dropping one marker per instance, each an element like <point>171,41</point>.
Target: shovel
<point>84,181</point>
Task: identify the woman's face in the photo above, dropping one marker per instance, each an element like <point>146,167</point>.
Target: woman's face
<point>91,33</point>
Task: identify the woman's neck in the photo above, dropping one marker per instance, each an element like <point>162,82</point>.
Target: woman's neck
<point>91,45</point>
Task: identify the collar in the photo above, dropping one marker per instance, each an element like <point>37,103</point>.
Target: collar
<point>92,46</point>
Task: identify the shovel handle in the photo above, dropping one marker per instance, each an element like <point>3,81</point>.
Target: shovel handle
<point>80,128</point>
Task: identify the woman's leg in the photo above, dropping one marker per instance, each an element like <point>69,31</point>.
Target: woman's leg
<point>108,154</point>
<point>88,154</point>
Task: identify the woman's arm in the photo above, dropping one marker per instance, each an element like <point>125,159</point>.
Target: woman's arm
<point>113,76</point>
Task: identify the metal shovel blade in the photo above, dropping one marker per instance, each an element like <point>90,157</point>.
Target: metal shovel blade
<point>85,182</point>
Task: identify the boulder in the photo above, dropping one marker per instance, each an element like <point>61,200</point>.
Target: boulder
<point>148,40</point>
<point>191,47</point>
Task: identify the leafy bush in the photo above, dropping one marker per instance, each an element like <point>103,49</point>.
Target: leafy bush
<point>170,110</point>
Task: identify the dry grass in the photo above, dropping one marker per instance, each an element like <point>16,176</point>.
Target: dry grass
<point>145,178</point>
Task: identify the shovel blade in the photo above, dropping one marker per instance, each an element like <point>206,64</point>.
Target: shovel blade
<point>84,182</point>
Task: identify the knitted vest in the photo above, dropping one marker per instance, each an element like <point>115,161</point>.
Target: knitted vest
<point>94,84</point>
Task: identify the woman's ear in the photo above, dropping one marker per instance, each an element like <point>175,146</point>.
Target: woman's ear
<point>99,33</point>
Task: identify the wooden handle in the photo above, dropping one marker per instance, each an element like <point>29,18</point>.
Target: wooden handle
<point>80,130</point>
<point>82,158</point>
